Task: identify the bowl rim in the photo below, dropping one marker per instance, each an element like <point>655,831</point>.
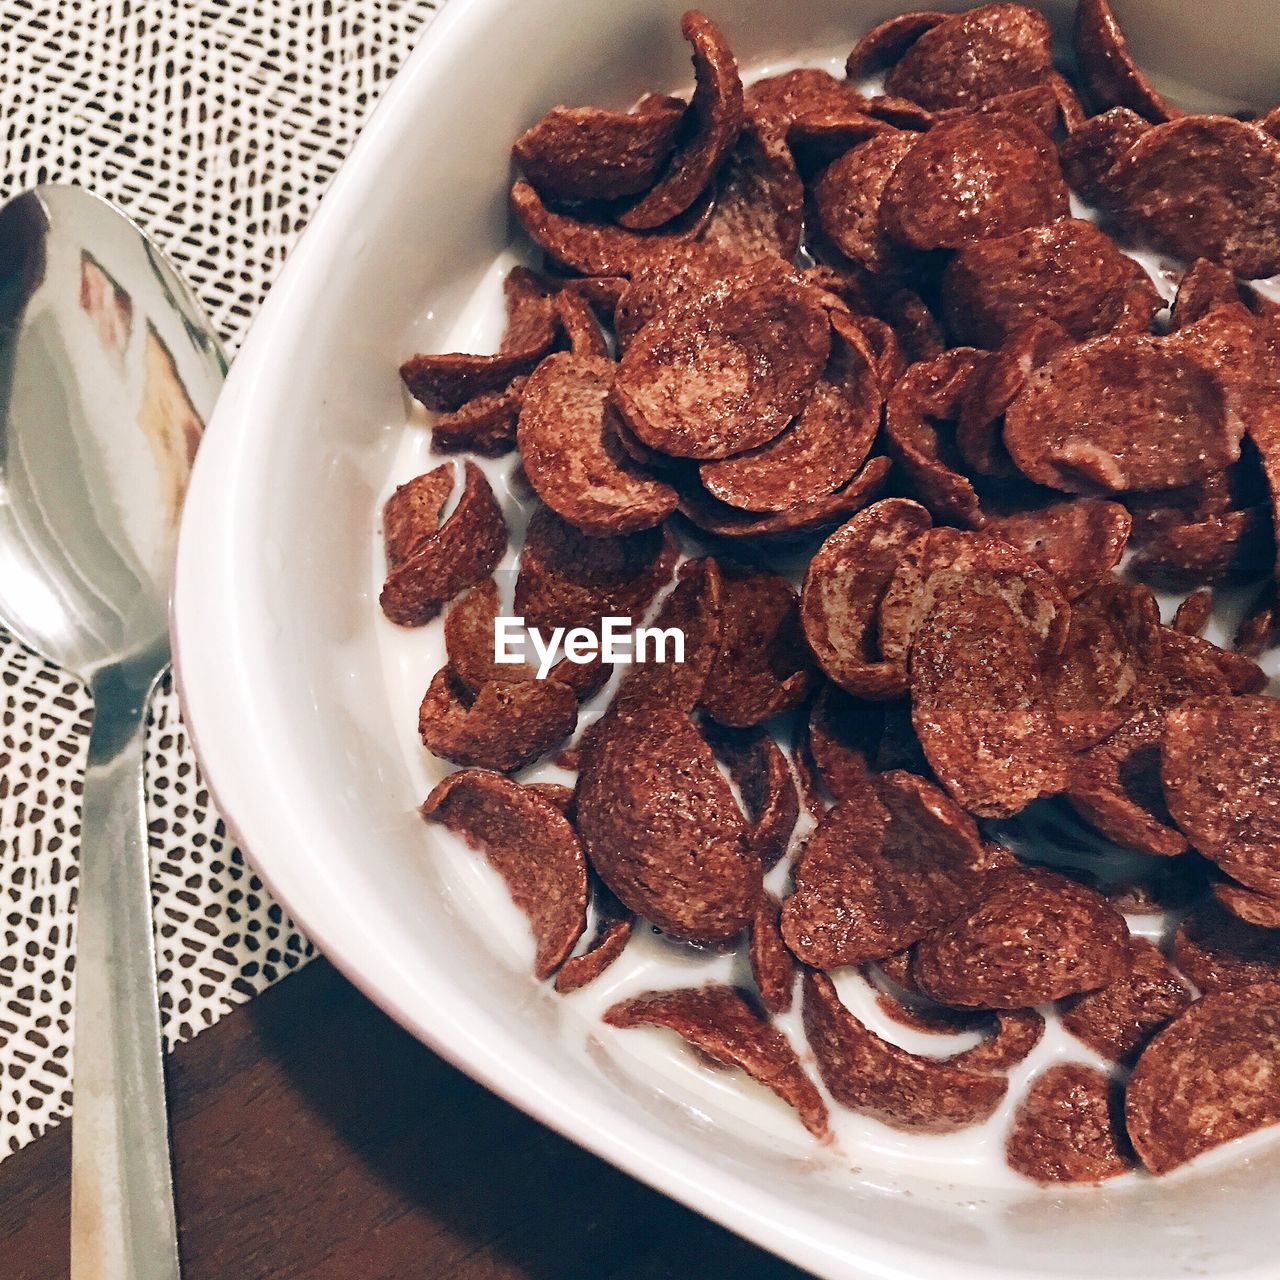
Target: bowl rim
<point>212,639</point>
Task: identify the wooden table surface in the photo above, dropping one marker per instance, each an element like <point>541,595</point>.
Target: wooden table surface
<point>314,1138</point>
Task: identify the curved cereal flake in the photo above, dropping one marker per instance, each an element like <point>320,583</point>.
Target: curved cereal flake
<point>914,325</point>
<point>694,607</point>
<point>789,94</point>
<point>979,704</point>
<point>849,290</point>
<point>886,42</point>
<point>763,667</point>
<point>1257,630</point>
<point>1078,542</point>
<point>889,863</point>
<point>1043,104</point>
<point>891,361</point>
<point>1017,1032</point>
<point>972,178</point>
<point>1111,77</point>
<point>773,967</point>
<point>565,445</point>
<point>1113,639</point>
<point>1069,1127</point>
<point>555,793</point>
<point>1121,413</point>
<point>1219,951</point>
<point>835,914</point>
<point>411,516</point>
<point>1239,347</point>
<point>448,382</point>
<point>532,847</point>
<point>716,112</point>
<point>578,971</point>
<point>597,248</point>
<point>1119,1019</point>
<point>1204,287</point>
<point>843,587</point>
<point>1117,785</point>
<point>590,153</point>
<point>822,449</point>
<point>848,196</point>
<point>762,774</point>
<point>991,50</point>
<point>601,293</point>
<point>979,431</point>
<point>1159,509</point>
<point>901,113</point>
<point>503,726</point>
<point>847,738</point>
<point>1192,656</point>
<point>1071,112</point>
<point>486,424</point>
<point>614,925</point>
<point>570,580</point>
<point>1193,614</point>
<point>686,277</point>
<point>1225,550</point>
<point>430,561</point>
<point>925,1015</point>
<point>1220,768</point>
<point>868,1074</point>
<point>1255,908</point>
<point>469,636</point>
<point>841,737</point>
<point>578,322</point>
<point>662,827</point>
<point>920,419</point>
<point>1069,272</point>
<point>1207,1078</point>
<point>1204,187</point>
<point>719,1022</point>
<point>1093,149</point>
<point>724,521</point>
<point>955,559</point>
<point>1035,936</point>
<point>720,378</point>
<point>759,210</point>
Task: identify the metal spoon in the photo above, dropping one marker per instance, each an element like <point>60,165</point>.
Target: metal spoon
<point>108,372</point>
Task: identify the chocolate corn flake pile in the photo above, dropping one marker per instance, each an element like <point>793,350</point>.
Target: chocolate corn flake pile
<point>834,380</point>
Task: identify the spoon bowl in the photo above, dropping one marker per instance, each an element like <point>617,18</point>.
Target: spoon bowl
<point>108,371</point>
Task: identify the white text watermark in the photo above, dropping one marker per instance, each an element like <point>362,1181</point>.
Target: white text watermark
<point>618,641</point>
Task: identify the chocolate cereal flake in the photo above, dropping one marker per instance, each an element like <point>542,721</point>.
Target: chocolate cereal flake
<point>1069,1128</point>
<point>530,844</point>
<point>662,827</point>
<point>720,1023</point>
<point>901,1089</point>
<point>1118,1019</point>
<point>430,561</point>
<point>1207,1078</point>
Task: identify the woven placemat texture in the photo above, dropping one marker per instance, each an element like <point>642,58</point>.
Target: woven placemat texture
<point>217,126</point>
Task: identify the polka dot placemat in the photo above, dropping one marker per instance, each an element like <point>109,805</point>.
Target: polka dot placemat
<point>217,124</point>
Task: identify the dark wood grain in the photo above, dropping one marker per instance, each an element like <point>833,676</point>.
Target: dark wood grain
<point>313,1138</point>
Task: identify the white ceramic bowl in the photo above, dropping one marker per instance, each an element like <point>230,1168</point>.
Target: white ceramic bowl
<point>278,656</point>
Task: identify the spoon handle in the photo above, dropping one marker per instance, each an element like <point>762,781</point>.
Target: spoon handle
<point>123,1225</point>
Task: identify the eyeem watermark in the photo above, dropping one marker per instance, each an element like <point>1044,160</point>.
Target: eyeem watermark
<point>617,642</point>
